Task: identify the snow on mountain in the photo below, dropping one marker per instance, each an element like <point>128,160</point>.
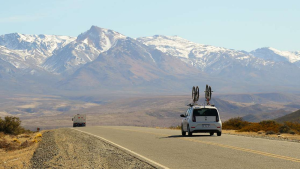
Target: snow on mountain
<point>86,48</point>
<point>14,57</point>
<point>272,54</point>
<point>231,66</point>
<point>131,63</point>
<point>204,57</point>
<point>103,57</point>
<point>23,50</point>
<point>44,43</point>
<point>100,38</point>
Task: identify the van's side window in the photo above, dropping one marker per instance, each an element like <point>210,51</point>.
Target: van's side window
<point>187,112</point>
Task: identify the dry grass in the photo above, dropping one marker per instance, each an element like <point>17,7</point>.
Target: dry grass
<point>2,135</point>
<point>19,158</point>
<point>171,127</point>
<point>12,142</point>
<point>16,151</point>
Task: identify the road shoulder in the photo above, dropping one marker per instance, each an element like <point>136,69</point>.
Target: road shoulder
<point>67,148</point>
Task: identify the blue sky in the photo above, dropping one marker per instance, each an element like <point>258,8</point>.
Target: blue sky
<point>233,24</point>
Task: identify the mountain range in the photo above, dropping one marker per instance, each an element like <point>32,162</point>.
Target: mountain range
<point>103,59</point>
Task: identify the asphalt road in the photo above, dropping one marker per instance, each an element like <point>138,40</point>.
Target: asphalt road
<point>168,149</point>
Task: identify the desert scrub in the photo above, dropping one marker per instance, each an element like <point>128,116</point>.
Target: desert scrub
<point>255,127</point>
<point>35,141</point>
<point>236,123</point>
<point>12,125</point>
<point>16,140</point>
<point>3,143</point>
<point>175,127</point>
<point>284,129</point>
<point>38,135</point>
<point>294,126</point>
<point>270,125</point>
<point>240,125</point>
<point>26,144</point>
<point>12,146</point>
<point>2,134</point>
<point>37,138</point>
<point>270,132</point>
<point>12,142</point>
<point>260,132</point>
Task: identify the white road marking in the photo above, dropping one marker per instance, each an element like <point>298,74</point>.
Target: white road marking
<point>121,147</point>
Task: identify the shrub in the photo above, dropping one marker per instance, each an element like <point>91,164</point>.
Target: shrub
<point>38,135</point>
<point>270,132</point>
<point>3,143</point>
<point>293,125</point>
<point>284,129</point>
<point>26,144</point>
<point>259,132</point>
<point>236,123</point>
<point>2,134</point>
<point>175,127</point>
<point>292,132</point>
<point>12,146</point>
<point>255,127</point>
<point>11,125</point>
<point>35,140</point>
<point>16,141</point>
<point>269,125</point>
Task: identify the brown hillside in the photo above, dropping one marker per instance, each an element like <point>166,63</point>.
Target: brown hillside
<point>292,117</point>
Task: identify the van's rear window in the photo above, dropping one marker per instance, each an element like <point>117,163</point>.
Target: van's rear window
<point>205,112</point>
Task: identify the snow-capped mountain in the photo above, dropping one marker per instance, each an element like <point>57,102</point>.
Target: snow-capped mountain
<point>130,63</point>
<point>86,48</point>
<point>228,65</point>
<point>204,57</point>
<point>103,58</point>
<point>271,54</point>
<point>24,51</point>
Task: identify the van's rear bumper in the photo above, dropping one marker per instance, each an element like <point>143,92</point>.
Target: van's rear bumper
<point>206,131</point>
<point>199,128</point>
<point>79,124</point>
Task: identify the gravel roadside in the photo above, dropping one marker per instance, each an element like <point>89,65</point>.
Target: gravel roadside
<point>67,148</point>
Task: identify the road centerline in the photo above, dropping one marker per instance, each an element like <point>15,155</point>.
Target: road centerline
<point>220,145</point>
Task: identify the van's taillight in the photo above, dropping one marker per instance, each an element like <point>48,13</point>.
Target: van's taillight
<point>194,119</point>
<point>217,119</point>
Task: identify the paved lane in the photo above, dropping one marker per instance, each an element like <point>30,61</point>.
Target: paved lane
<point>167,148</point>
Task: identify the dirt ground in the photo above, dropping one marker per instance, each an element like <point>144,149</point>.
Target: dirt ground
<point>19,150</point>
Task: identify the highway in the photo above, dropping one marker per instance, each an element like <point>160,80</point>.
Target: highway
<point>165,148</point>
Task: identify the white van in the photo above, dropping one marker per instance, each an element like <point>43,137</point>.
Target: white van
<point>201,119</point>
<point>79,120</point>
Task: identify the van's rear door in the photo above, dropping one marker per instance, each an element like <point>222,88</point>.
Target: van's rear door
<point>203,119</point>
<point>205,115</point>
